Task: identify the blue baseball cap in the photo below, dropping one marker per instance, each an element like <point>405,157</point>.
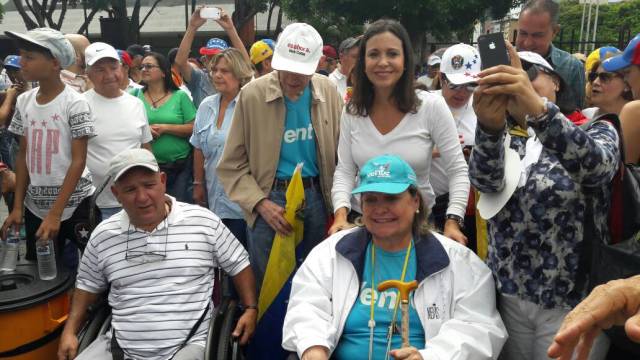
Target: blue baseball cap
<point>387,174</point>
<point>630,56</point>
<point>270,42</point>
<point>12,61</point>
<point>214,46</point>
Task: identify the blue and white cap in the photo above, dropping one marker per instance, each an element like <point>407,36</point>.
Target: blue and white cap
<point>387,174</point>
<point>12,61</point>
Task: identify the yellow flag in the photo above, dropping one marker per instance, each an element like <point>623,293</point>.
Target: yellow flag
<point>282,259</point>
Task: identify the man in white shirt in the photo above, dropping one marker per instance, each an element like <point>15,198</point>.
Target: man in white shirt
<point>458,73</point>
<point>156,259</point>
<point>120,119</point>
<point>348,53</point>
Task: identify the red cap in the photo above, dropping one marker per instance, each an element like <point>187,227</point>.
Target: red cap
<point>329,51</point>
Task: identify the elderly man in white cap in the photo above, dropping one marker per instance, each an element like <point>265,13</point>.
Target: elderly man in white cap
<point>120,119</point>
<point>156,259</point>
<point>284,118</point>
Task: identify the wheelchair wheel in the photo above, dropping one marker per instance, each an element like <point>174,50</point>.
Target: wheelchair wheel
<point>215,324</point>
<point>228,347</point>
<point>97,325</point>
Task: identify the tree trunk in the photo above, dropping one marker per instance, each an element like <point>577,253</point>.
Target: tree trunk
<point>278,24</point>
<point>63,12</point>
<point>417,40</point>
<point>272,4</point>
<point>88,20</point>
<point>28,22</point>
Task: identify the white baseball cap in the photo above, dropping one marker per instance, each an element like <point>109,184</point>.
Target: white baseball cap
<point>99,50</point>
<point>433,60</point>
<point>298,49</point>
<point>129,159</point>
<point>461,64</point>
<point>535,58</point>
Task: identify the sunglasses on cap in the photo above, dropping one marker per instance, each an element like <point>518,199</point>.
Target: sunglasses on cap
<point>468,86</point>
<point>604,76</point>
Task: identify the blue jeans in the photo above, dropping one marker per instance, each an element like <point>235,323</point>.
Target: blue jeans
<point>268,336</point>
<point>260,238</point>
<point>179,179</point>
<point>8,148</point>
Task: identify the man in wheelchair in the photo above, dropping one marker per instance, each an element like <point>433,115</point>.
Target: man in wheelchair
<point>156,259</point>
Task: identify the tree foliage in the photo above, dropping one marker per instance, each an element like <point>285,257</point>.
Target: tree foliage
<point>612,19</point>
<point>438,17</point>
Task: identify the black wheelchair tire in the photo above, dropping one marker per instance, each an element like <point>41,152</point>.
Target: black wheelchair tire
<point>225,339</point>
<point>94,326</point>
<point>215,324</point>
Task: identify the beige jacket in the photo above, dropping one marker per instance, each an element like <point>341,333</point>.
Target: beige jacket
<point>251,153</point>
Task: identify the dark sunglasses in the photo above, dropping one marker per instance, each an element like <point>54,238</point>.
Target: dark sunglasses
<point>604,77</point>
<point>468,86</point>
<point>533,70</point>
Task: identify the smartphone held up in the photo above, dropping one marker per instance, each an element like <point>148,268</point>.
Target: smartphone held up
<point>212,13</point>
<point>493,50</point>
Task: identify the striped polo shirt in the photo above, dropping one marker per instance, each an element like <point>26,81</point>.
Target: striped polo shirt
<point>159,282</point>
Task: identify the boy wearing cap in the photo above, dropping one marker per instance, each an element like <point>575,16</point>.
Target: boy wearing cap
<point>261,54</point>
<point>197,80</point>
<point>54,123</point>
<point>120,119</point>
<point>280,120</point>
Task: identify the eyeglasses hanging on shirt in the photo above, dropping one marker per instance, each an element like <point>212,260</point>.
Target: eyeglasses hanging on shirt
<point>142,253</point>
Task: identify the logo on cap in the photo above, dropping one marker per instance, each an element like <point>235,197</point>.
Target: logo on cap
<point>457,62</point>
<point>298,49</point>
<point>381,172</point>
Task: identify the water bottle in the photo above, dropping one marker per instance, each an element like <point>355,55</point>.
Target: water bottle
<point>11,252</point>
<point>22,251</point>
<point>46,259</point>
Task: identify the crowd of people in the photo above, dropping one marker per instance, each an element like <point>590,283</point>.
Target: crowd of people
<point>477,183</point>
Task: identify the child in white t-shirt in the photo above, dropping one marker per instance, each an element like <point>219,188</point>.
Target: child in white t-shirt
<point>53,185</point>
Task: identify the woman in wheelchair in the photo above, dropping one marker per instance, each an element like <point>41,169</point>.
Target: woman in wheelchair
<point>336,310</point>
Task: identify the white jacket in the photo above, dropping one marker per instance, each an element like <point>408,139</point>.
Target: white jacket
<point>455,298</point>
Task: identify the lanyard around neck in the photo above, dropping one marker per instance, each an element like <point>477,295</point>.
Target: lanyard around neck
<point>372,322</point>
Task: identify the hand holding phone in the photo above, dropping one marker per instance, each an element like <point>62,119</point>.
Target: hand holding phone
<point>212,13</point>
<point>493,50</point>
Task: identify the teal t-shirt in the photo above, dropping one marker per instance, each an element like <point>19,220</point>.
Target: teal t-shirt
<point>354,342</point>
<point>299,139</point>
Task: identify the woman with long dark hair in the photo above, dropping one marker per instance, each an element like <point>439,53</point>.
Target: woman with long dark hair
<point>171,114</point>
<point>386,115</point>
